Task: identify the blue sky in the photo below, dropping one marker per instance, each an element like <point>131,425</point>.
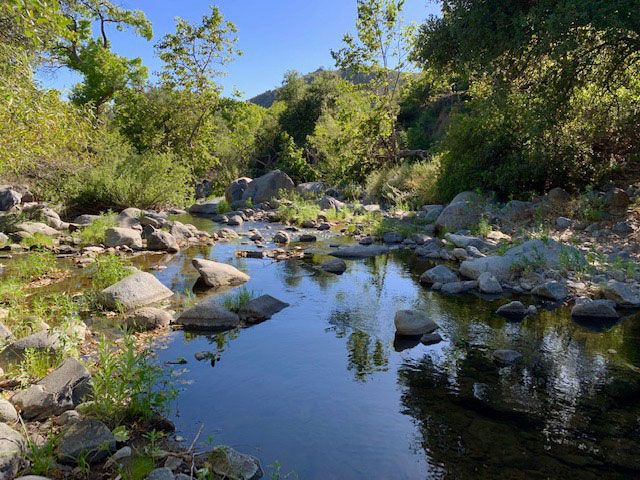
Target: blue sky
<point>275,36</point>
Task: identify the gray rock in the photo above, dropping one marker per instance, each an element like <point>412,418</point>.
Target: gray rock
<point>116,237</point>
<point>86,219</point>
<point>9,198</point>
<point>61,390</point>
<point>32,477</point>
<point>307,238</point>
<point>558,196</point>
<point>5,334</point>
<point>532,310</point>
<point>594,309</point>
<point>227,234</point>
<point>218,275</point>
<point>393,237</point>
<point>233,465</point>
<point>236,189</point>
<point>8,413</point>
<point>161,474</point>
<point>328,202</point>
<point>181,232</point>
<point>432,212</point>
<point>336,266</point>
<point>623,228</point>
<point>208,315</point>
<point>131,212</point>
<point>460,254</point>
<point>35,227</point>
<point>235,220</point>
<point>621,294</point>
<point>430,338</point>
<point>308,224</point>
<point>163,242</point>
<point>454,288</point>
<point>516,211</point>
<point>310,189</point>
<point>513,310</point>
<point>464,241</point>
<point>12,448</point>
<point>564,222</point>
<point>281,237</point>
<point>464,211</point>
<point>359,251</point>
<point>551,290</point>
<point>324,226</point>
<point>507,357</point>
<point>68,417</point>
<point>421,238</point>
<point>86,438</point>
<point>260,309</point>
<point>412,322</point>
<point>617,199</point>
<point>210,207</point>
<point>488,284</point>
<point>438,274</point>
<point>268,186</point>
<point>136,290</point>
<point>148,318</point>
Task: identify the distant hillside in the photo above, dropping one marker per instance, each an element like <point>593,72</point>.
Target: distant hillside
<point>266,99</point>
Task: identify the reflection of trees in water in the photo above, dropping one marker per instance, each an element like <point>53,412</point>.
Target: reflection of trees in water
<point>221,340</point>
<point>366,354</point>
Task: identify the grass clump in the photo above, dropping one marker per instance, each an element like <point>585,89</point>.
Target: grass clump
<point>38,240</point>
<point>298,209</point>
<point>236,301</point>
<point>223,207</point>
<point>127,384</point>
<point>408,184</point>
<point>107,270</point>
<point>32,266</point>
<point>94,233</point>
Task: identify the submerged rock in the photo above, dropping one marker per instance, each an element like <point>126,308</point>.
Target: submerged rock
<point>507,357</point>
<point>393,237</point>
<point>513,310</point>
<point>594,309</point>
<point>218,275</point>
<point>260,309</point>
<point>281,237</point>
<point>412,322</point>
<point>334,266</point>
<point>134,291</point>
<point>208,315</point>
<point>359,251</point>
<point>430,339</point>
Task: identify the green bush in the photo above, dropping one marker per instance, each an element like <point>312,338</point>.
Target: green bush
<point>107,270</point>
<point>146,181</point>
<point>94,233</point>
<point>407,184</point>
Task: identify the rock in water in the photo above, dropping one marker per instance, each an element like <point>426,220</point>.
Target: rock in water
<point>393,237</point>
<point>507,357</point>
<point>551,290</point>
<point>234,465</point>
<point>163,242</point>
<point>621,294</point>
<point>515,310</point>
<point>438,274</point>
<point>260,309</point>
<point>412,322</point>
<point>148,318</point>
<point>86,438</point>
<point>208,315</point>
<point>488,284</point>
<point>12,446</point>
<point>595,309</point>
<point>268,186</point>
<point>359,251</point>
<point>134,291</point>
<point>334,266</point>
<point>217,275</point>
<point>61,390</point>
<point>281,237</point>
<point>430,338</point>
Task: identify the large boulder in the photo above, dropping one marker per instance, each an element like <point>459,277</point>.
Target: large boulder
<point>542,253</point>
<point>432,212</point>
<point>616,199</point>
<point>464,211</point>
<point>359,251</point>
<point>260,309</point>
<point>621,294</point>
<point>35,227</point>
<point>208,315</point>
<point>235,190</point>
<point>117,237</point>
<point>268,187</point>
<point>136,290</point>
<point>328,202</point>
<point>210,207</point>
<point>9,198</point>
<point>217,275</point>
<point>12,448</point>
<point>412,322</point>
<point>162,241</point>
<point>148,318</point>
<point>310,189</point>
<point>61,390</point>
<point>438,274</point>
<point>88,439</point>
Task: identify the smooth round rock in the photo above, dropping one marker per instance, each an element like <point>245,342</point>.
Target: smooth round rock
<point>412,322</point>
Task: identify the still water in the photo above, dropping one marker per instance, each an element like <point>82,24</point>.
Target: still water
<point>325,389</point>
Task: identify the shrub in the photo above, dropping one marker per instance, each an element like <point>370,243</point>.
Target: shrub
<point>146,181</point>
<point>107,270</point>
<point>409,183</point>
<point>37,240</point>
<point>93,233</point>
<point>32,266</point>
<point>223,207</point>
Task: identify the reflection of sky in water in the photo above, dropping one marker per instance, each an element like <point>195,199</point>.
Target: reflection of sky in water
<point>323,388</point>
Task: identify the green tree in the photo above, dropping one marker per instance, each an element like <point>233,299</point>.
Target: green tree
<point>104,72</point>
<point>194,56</point>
